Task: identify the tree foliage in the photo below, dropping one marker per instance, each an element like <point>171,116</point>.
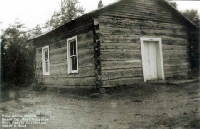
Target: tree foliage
<point>69,10</point>
<point>192,15</point>
<point>17,55</point>
<point>174,4</point>
<point>33,33</point>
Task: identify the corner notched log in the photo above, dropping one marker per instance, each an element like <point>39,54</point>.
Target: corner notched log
<point>97,53</point>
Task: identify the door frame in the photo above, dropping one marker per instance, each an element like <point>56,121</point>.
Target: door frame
<point>161,70</point>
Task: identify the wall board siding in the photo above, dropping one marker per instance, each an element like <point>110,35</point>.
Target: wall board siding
<point>121,30</point>
<point>107,65</point>
<point>78,81</point>
<point>120,73</point>
<point>122,81</point>
<point>144,10</point>
<point>132,38</point>
<point>58,62</point>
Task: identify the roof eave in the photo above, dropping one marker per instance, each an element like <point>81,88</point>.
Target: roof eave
<point>174,9</point>
<point>97,11</point>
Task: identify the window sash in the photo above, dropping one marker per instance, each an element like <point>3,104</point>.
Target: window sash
<point>46,54</point>
<point>73,62</point>
<point>72,47</point>
<point>45,60</point>
<point>72,55</point>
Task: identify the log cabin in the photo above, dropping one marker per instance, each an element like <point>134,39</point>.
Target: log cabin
<point>127,42</point>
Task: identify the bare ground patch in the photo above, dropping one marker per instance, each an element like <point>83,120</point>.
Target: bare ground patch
<point>140,106</point>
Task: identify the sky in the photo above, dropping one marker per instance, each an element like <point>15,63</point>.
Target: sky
<point>33,12</point>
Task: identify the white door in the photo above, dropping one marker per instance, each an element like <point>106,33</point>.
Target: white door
<point>150,60</point>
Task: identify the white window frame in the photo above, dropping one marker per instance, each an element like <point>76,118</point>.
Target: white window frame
<point>43,61</point>
<point>142,39</point>
<point>68,55</point>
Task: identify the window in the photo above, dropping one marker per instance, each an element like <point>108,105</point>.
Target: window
<point>45,60</point>
<point>72,55</point>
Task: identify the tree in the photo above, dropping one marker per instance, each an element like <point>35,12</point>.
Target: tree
<point>192,15</point>
<point>69,10</point>
<point>193,40</point>
<point>17,55</point>
<point>174,4</point>
<point>34,32</point>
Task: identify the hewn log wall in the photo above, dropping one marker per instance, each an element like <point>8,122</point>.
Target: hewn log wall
<point>59,76</point>
<point>121,28</point>
<point>109,47</point>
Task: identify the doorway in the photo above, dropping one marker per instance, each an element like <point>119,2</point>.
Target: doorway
<point>152,59</point>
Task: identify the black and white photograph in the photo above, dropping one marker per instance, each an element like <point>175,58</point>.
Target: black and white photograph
<point>99,64</point>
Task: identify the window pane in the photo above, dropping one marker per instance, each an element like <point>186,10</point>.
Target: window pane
<point>46,54</point>
<point>71,48</point>
<point>74,42</point>
<point>46,65</point>
<point>74,63</point>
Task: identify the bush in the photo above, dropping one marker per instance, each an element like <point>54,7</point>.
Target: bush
<point>17,57</point>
